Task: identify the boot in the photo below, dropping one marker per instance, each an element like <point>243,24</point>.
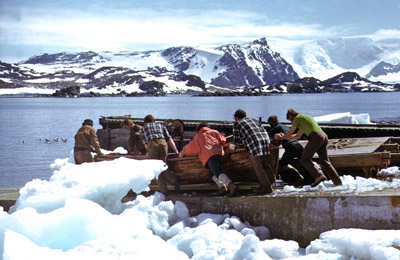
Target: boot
<point>318,180</point>
<point>222,191</point>
<point>232,189</point>
<point>227,182</point>
<point>221,187</point>
<point>296,174</point>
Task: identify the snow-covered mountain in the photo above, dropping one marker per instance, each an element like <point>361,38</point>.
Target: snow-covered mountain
<point>228,66</point>
<point>248,67</point>
<point>372,58</point>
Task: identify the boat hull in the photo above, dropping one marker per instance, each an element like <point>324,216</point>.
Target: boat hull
<point>189,170</point>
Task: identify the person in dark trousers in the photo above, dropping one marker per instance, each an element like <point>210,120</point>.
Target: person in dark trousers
<point>293,149</point>
<point>317,143</point>
<point>155,139</point>
<point>208,144</point>
<point>256,140</point>
<point>135,142</point>
<point>86,141</point>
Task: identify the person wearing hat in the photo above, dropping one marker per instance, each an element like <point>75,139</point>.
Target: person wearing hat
<point>86,141</point>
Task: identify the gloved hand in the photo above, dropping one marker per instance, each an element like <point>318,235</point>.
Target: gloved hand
<point>232,146</point>
<point>181,154</point>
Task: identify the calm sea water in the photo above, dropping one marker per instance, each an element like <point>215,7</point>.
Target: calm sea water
<point>24,121</point>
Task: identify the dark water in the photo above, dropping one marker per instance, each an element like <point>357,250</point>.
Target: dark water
<point>24,121</point>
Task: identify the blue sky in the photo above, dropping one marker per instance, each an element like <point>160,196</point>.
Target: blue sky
<point>30,27</point>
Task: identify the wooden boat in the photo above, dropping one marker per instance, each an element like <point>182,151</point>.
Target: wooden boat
<point>352,156</point>
<point>355,156</point>
<point>189,169</point>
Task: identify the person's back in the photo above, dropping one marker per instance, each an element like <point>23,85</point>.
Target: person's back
<point>85,140</point>
<point>293,149</point>
<point>155,130</point>
<point>156,139</point>
<point>317,143</point>
<point>254,137</point>
<point>208,145</point>
<point>306,123</point>
<point>281,128</point>
<point>206,142</point>
<point>256,140</point>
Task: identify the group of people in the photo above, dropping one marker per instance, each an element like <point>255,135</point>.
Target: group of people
<point>153,139</point>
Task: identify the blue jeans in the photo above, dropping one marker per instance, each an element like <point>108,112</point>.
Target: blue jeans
<point>214,165</point>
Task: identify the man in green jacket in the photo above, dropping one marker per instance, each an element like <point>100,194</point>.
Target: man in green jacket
<point>317,143</point>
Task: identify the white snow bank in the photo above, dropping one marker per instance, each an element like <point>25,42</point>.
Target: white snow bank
<point>390,172</point>
<point>358,244</point>
<point>104,183</point>
<point>72,216</point>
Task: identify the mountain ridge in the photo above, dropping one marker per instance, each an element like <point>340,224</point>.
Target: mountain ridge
<point>250,67</point>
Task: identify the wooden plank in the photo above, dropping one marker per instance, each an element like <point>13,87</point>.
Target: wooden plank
<point>345,146</point>
<point>360,160</point>
<point>395,156</point>
<point>389,147</point>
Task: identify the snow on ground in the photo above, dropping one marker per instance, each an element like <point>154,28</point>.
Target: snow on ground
<point>388,78</point>
<point>78,214</point>
<point>350,185</point>
<point>207,57</point>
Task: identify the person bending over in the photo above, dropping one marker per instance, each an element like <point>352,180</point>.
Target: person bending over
<point>317,143</point>
<point>208,144</point>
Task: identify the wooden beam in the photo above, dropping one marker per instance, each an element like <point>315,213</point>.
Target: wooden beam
<point>361,160</point>
<point>395,156</point>
<point>389,147</point>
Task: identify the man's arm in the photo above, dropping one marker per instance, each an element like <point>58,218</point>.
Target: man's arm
<point>172,144</point>
<point>290,134</point>
<point>94,141</point>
